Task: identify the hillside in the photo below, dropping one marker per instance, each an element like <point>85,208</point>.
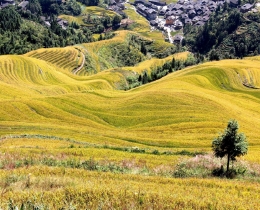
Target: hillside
<point>218,87</point>
<point>62,129</point>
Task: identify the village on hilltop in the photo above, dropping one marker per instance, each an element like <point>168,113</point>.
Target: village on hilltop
<point>174,16</point>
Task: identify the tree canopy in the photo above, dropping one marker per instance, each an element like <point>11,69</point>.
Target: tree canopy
<point>230,143</point>
<point>10,20</point>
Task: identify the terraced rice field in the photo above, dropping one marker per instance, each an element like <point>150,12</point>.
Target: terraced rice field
<point>162,114</point>
<point>147,65</point>
<point>93,11</point>
<point>67,58</point>
<point>70,19</point>
<point>97,11</point>
<point>77,142</point>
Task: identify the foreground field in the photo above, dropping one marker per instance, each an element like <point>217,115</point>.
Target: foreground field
<point>77,141</point>
<point>81,189</point>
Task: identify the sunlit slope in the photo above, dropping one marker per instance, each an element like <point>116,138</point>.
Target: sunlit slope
<point>185,109</point>
<point>205,96</point>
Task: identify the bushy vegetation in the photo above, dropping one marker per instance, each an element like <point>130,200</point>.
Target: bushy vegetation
<point>203,166</point>
<point>51,7</point>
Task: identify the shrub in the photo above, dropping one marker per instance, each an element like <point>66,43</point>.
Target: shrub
<point>137,150</point>
<point>155,152</point>
<point>218,172</point>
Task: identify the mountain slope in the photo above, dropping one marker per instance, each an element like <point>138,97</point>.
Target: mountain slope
<point>184,109</point>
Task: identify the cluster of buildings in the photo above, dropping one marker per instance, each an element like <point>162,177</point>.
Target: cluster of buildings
<point>63,23</point>
<point>117,6</point>
<point>149,9</point>
<point>175,15</point>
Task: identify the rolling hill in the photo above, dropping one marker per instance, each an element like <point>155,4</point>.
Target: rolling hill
<point>56,127</point>
<point>165,113</point>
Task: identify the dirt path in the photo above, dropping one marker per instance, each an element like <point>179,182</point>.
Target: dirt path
<point>81,66</point>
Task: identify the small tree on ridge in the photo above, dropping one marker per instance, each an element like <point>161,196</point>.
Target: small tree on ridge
<point>230,143</point>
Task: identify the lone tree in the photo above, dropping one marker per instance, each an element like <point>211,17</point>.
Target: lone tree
<point>230,143</point>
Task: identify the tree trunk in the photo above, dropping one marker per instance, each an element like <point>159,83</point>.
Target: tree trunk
<point>228,159</point>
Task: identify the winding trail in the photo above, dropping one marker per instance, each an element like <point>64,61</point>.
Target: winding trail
<point>81,66</point>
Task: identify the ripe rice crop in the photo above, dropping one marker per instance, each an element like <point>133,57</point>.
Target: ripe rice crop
<point>77,141</point>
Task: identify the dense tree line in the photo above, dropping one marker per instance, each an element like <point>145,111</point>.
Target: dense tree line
<point>90,2</point>
<point>160,71</point>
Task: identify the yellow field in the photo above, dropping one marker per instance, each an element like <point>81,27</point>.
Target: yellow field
<point>168,113</point>
<point>70,58</point>
<point>97,11</point>
<point>70,19</point>
<point>77,141</point>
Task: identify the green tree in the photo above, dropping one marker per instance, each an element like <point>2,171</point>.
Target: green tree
<point>10,20</point>
<point>173,63</point>
<point>230,143</point>
<point>116,20</point>
<point>35,7</point>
